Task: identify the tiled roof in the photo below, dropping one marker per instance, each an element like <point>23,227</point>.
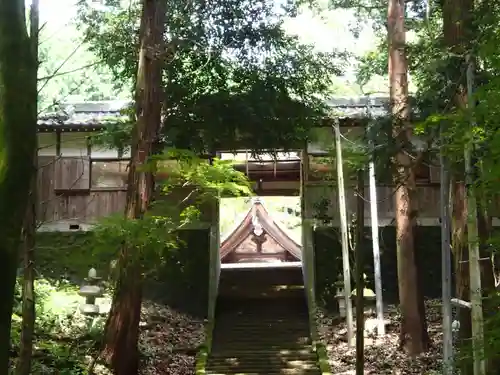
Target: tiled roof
<point>96,114</point>
<point>85,114</point>
<point>349,107</point>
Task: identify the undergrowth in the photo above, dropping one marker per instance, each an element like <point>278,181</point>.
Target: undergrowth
<point>65,340</point>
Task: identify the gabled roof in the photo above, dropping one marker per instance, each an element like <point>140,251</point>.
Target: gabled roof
<point>246,227</point>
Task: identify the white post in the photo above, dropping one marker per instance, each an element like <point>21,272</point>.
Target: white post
<point>376,249</point>
<point>472,235</point>
<point>343,228</point>
<point>375,228</point>
<point>446,263</point>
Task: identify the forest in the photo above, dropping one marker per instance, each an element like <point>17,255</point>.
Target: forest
<point>201,77</point>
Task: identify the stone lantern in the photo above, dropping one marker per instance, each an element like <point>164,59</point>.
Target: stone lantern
<point>340,296</point>
<point>91,290</point>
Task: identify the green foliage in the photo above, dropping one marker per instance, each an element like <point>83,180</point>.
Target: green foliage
<point>210,180</point>
<point>492,335</point>
<point>233,78</point>
<point>114,136</point>
<point>187,183</point>
<point>373,63</point>
<point>358,148</point>
<point>65,341</point>
<point>63,337</point>
<point>148,236</point>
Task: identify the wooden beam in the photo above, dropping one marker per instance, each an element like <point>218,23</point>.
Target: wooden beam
<point>58,143</point>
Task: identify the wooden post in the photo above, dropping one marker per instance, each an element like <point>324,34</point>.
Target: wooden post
<point>307,230</point>
<point>472,234</point>
<point>360,277</point>
<point>376,249</point>
<point>446,263</point>
<point>344,234</point>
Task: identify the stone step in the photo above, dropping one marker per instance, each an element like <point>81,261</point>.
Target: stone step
<point>308,362</point>
<point>305,350</point>
<point>247,293</point>
<point>276,347</point>
<point>281,323</point>
<point>266,372</point>
<point>263,370</point>
<point>261,332</point>
<point>265,342</point>
<point>236,322</point>
<point>263,276</point>
<point>262,336</point>
<point>262,307</point>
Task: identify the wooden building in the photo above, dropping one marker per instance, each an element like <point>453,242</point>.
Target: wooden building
<point>77,182</point>
<point>259,238</point>
<point>80,182</point>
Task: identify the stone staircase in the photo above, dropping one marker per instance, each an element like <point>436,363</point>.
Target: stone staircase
<point>262,325</point>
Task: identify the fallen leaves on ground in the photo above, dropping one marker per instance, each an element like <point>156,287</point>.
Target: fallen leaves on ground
<point>169,340</point>
<point>382,356</point>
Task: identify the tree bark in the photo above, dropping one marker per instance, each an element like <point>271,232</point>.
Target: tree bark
<point>413,333</point>
<point>458,33</point>
<point>122,327</point>
<point>28,236</point>
<point>18,95</point>
<point>23,366</point>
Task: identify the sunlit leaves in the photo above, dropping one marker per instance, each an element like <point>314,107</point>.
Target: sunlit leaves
<point>188,182</point>
<point>215,179</point>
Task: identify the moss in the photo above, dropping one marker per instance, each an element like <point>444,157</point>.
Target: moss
<point>319,348</point>
<point>205,349</point>
<point>61,255</point>
<point>323,363</point>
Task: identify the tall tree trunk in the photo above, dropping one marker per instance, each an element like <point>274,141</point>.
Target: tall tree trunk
<point>413,334</point>
<point>458,33</point>
<point>28,237</point>
<point>122,327</point>
<point>18,95</point>
<point>28,314</point>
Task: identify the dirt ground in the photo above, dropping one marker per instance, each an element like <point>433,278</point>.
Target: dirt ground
<point>382,356</point>
<point>169,340</point>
